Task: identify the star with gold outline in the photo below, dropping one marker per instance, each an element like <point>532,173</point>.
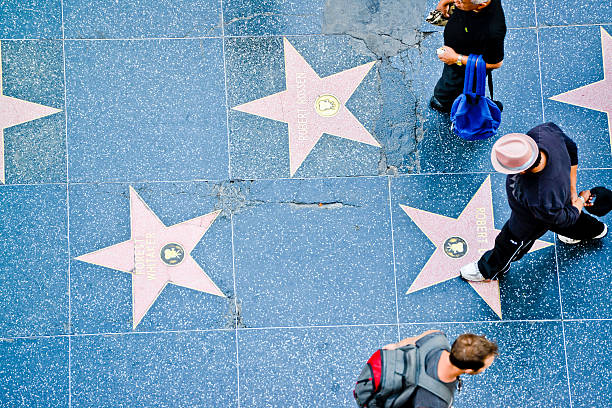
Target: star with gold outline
<point>312,105</point>
<point>156,255</point>
<point>461,241</point>
<point>14,112</point>
<point>598,95</point>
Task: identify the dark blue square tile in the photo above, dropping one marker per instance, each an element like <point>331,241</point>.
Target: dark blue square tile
<point>519,14</point>
<point>35,151</point>
<point>552,12</point>
<point>305,366</point>
<point>34,268</point>
<point>31,19</point>
<point>266,17</point>
<point>584,268</point>
<point>528,291</point>
<point>517,84</point>
<point>146,110</point>
<point>588,359</point>
<point>314,252</point>
<point>176,370</point>
<point>102,297</point>
<point>260,146</point>
<point>529,372</point>
<point>572,58</point>
<point>137,19</point>
<point>34,372</point>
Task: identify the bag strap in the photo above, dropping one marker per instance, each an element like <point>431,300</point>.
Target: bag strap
<point>424,380</point>
<point>481,71</point>
<point>490,77</point>
<point>435,387</point>
<point>468,81</point>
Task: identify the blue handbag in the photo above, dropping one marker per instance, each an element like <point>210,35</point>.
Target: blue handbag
<point>473,115</point>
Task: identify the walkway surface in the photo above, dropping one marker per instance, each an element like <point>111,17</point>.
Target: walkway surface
<point>210,203</point>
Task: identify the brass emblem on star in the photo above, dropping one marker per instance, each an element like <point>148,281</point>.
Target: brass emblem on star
<point>327,105</point>
<point>172,254</point>
<point>455,247</point>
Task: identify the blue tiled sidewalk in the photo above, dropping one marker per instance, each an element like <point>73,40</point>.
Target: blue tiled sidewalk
<point>314,269</point>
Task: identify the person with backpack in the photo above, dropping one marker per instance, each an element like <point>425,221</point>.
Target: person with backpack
<point>422,371</point>
<point>541,168</point>
<point>475,27</point>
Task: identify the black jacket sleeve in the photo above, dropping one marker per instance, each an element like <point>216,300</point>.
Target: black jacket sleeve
<point>570,145</point>
<point>560,217</point>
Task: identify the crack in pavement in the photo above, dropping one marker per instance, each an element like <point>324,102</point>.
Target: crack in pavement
<point>388,30</point>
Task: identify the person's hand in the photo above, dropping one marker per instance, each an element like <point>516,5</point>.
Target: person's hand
<point>574,195</point>
<point>449,56</point>
<point>391,346</point>
<point>588,198</point>
<point>444,6</point>
<point>580,201</point>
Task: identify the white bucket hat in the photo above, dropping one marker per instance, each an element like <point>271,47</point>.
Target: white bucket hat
<point>513,153</point>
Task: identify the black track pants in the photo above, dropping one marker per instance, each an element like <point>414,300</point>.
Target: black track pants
<point>510,248</point>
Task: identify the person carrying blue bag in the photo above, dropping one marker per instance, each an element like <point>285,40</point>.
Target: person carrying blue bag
<point>473,115</point>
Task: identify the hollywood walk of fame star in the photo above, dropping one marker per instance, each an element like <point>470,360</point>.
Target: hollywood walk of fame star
<point>312,105</point>
<point>15,111</point>
<point>598,95</point>
<point>461,241</point>
<point>156,255</point>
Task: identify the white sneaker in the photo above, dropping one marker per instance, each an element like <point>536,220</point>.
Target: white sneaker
<point>569,241</point>
<point>603,233</point>
<point>470,272</point>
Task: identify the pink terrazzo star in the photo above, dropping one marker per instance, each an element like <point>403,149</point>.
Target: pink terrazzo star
<point>598,95</point>
<point>15,111</point>
<point>312,106</point>
<point>156,255</point>
<point>459,242</point>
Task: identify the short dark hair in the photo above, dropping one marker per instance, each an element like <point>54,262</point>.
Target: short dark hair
<point>469,351</point>
<point>536,163</point>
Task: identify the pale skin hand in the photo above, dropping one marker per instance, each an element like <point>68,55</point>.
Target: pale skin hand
<point>443,6</point>
<point>579,204</point>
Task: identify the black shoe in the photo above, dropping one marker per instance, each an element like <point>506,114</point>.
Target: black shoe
<point>437,105</point>
<point>499,105</point>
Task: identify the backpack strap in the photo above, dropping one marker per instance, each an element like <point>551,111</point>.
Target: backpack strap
<point>481,71</point>
<point>468,81</point>
<point>425,380</point>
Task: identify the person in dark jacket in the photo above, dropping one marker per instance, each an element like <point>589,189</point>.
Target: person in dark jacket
<point>475,27</point>
<point>541,189</point>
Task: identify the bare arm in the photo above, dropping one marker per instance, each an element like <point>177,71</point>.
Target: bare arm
<point>573,171</point>
<point>408,340</point>
<point>450,57</point>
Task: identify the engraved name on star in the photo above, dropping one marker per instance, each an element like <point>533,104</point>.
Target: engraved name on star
<point>156,255</point>
<point>312,105</point>
<point>598,95</point>
<point>460,241</point>
<point>14,112</point>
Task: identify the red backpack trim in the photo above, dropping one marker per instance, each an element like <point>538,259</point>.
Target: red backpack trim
<point>375,364</point>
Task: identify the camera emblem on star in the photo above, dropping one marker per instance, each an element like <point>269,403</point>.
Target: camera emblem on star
<point>327,105</point>
<point>172,254</point>
<point>455,247</point>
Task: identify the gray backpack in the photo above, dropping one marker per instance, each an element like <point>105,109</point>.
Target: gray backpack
<point>391,376</point>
